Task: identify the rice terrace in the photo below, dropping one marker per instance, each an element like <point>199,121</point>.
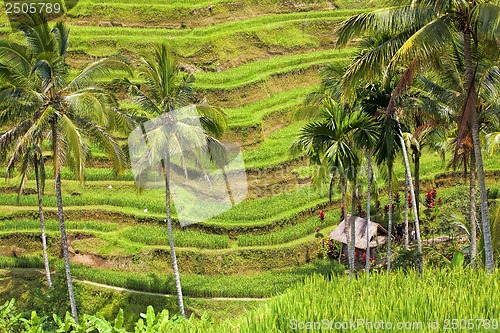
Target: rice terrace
<point>250,166</point>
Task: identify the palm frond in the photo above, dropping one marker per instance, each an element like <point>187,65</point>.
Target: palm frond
<point>403,84</point>
<point>427,43</point>
<point>103,68</point>
<point>61,32</point>
<point>493,142</point>
<point>44,69</point>
<point>37,34</point>
<point>143,101</point>
<point>385,21</point>
<point>213,120</point>
<point>99,135</point>
<point>16,56</point>
<point>77,149</point>
<point>487,19</point>
<point>370,64</point>
<point>11,136</point>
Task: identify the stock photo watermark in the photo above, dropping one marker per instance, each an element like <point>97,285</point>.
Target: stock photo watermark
<point>34,12</point>
<point>362,324</point>
<point>206,177</point>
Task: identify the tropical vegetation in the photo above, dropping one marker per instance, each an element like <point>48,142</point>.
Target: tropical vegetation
<point>383,110</point>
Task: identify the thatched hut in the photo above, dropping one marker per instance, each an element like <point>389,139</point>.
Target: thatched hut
<point>377,234</point>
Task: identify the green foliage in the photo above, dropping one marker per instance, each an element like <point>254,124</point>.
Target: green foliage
<point>9,321</point>
<point>406,260</point>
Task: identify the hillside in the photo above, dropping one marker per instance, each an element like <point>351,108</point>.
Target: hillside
<point>255,59</point>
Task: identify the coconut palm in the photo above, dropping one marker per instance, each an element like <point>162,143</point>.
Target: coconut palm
<point>421,31</point>
<point>66,112</point>
<point>165,90</point>
<point>334,140</point>
<point>446,91</point>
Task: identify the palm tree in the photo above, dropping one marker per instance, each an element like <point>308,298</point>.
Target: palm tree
<point>164,92</point>
<point>65,112</point>
<point>445,92</point>
<point>334,140</point>
<point>421,31</point>
<point>370,99</point>
<point>33,155</point>
<point>386,151</point>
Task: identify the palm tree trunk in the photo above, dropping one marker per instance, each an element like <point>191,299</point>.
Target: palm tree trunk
<point>175,268</point>
<point>417,179</point>
<point>481,179</point>
<point>352,231</point>
<point>343,184</point>
<point>42,223</point>
<point>368,198</point>
<point>389,223</point>
<point>406,235</point>
<point>472,211</point>
<point>62,226</point>
<point>228,187</point>
<point>414,202</point>
<point>330,190</point>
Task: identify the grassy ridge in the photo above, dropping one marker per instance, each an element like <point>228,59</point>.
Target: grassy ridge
<point>261,70</point>
<point>254,113</point>
<point>157,235</point>
<point>291,233</point>
<point>248,212</point>
<point>274,150</point>
<point>53,225</point>
<point>264,284</point>
<point>220,38</point>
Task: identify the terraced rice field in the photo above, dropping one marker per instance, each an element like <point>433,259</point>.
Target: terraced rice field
<point>258,60</point>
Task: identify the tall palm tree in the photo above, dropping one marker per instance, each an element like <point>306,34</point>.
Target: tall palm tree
<point>421,31</point>
<point>164,92</point>
<point>386,152</point>
<point>66,112</point>
<point>33,155</point>
<point>335,140</point>
<point>446,91</point>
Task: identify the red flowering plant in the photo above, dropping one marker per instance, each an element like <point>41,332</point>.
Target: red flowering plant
<point>430,198</point>
<point>432,202</point>
<point>397,198</point>
<point>329,249</point>
<point>321,215</point>
<point>364,258</point>
<point>359,209</point>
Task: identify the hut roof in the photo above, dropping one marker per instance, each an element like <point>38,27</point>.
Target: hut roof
<point>361,224</point>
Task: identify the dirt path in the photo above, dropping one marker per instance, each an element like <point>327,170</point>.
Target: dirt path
<point>100,285</point>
